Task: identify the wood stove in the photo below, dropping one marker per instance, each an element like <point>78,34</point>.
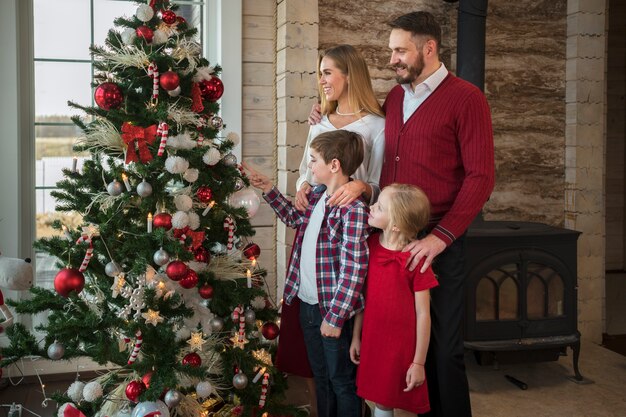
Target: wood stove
<point>521,290</point>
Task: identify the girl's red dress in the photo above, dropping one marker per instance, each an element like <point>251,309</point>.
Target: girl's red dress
<point>388,336</point>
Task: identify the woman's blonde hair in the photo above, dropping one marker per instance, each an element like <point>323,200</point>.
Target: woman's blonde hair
<point>360,92</point>
<point>409,209</point>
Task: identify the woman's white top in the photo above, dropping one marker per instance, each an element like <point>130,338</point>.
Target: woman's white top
<point>372,129</point>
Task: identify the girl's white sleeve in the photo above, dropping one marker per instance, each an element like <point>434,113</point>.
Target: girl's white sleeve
<point>375,166</point>
<point>305,172</point>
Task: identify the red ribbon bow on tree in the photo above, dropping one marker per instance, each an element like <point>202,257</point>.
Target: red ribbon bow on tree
<point>196,237</point>
<point>137,139</point>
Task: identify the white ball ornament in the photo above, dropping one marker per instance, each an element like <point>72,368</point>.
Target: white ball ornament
<point>112,269</point>
<point>233,137</point>
<point>191,175</point>
<point>144,13</point>
<point>129,35</point>
<point>204,389</point>
<point>246,198</point>
<point>183,202</point>
<point>240,381</point>
<point>211,157</point>
<point>56,350</point>
<point>92,391</point>
<point>176,164</point>
<point>180,220</point>
<point>159,37</point>
<point>258,302</point>
<point>75,391</point>
<point>146,407</point>
<point>144,189</point>
<point>175,92</point>
<point>194,221</point>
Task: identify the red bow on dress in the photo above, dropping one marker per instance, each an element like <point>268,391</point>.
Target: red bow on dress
<point>196,237</point>
<point>137,139</point>
<point>385,257</point>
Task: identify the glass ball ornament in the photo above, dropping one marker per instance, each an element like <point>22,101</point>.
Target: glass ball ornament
<point>163,220</point>
<point>240,381</point>
<point>56,350</point>
<point>169,80</point>
<point>239,184</point>
<point>115,188</point>
<point>206,291</point>
<point>190,280</point>
<point>250,316</point>
<point>204,389</point>
<point>161,257</point>
<point>204,194</point>
<point>216,324</point>
<point>108,96</point>
<point>270,330</point>
<point>152,408</point>
<point>212,89</point>
<point>173,398</point>
<point>68,280</point>
<point>192,359</point>
<point>246,198</point>
<point>230,160</point>
<point>112,269</point>
<point>145,32</point>
<point>217,122</point>
<point>176,270</point>
<point>134,389</point>
<point>251,251</point>
<point>168,17</point>
<point>144,189</point>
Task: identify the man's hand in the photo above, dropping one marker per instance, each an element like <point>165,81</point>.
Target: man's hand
<point>257,179</point>
<point>347,193</point>
<point>316,114</point>
<point>355,350</point>
<point>427,248</point>
<point>302,197</point>
<point>330,331</point>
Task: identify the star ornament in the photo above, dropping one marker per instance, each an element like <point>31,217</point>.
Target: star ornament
<point>238,343</point>
<point>91,230</point>
<point>118,284</point>
<point>152,317</point>
<point>196,341</point>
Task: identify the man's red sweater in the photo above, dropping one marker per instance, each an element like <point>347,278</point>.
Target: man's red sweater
<point>445,148</point>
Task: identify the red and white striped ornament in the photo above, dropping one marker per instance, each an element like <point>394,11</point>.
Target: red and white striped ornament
<point>162,131</point>
<point>264,387</point>
<point>239,316</point>
<point>88,255</point>
<point>153,72</point>
<point>229,225</point>
<point>137,348</point>
<point>200,140</point>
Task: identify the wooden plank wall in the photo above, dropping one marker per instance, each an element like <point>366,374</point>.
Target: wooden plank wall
<point>258,143</point>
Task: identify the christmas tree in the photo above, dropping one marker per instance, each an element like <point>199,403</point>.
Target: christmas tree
<point>159,282</point>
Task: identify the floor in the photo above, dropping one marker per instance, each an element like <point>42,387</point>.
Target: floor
<point>550,393</point>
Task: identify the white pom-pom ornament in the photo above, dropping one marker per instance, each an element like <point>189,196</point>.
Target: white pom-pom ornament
<point>191,175</point>
<point>92,391</point>
<point>194,221</point>
<point>211,157</point>
<point>183,202</point>
<point>128,36</point>
<point>182,141</point>
<point>75,391</point>
<point>258,303</point>
<point>203,73</point>
<point>159,37</point>
<point>180,220</point>
<point>176,164</point>
<point>175,92</point>
<point>144,13</point>
<point>204,389</point>
<point>233,137</point>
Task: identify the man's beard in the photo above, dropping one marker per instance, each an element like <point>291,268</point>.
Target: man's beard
<point>413,71</point>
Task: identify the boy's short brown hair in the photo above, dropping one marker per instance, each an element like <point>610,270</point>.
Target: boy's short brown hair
<point>342,145</point>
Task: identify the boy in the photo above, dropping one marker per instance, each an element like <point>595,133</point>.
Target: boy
<point>327,267</point>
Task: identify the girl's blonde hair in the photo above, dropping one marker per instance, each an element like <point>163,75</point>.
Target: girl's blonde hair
<point>360,92</point>
<point>409,209</point>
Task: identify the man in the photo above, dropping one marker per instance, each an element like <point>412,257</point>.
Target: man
<point>438,136</point>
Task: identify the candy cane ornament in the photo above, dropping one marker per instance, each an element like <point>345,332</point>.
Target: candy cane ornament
<point>153,72</point>
<point>163,131</point>
<point>229,225</point>
<point>264,388</point>
<point>88,255</point>
<point>137,348</point>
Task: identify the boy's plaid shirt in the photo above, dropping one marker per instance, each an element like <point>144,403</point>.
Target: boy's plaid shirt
<point>341,254</point>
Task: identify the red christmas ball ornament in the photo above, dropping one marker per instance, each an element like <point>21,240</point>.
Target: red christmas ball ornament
<point>169,80</point>
<point>204,194</point>
<point>270,330</point>
<point>168,17</point>
<point>202,255</point>
<point>190,280</point>
<point>146,379</point>
<point>68,280</point>
<point>206,291</point>
<point>192,359</point>
<point>145,32</point>
<point>134,389</point>
<point>163,220</point>
<point>181,19</point>
<point>108,96</point>
<point>251,251</point>
<point>211,90</point>
<point>176,270</point>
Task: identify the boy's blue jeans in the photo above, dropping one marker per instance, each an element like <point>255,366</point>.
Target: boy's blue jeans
<point>333,371</point>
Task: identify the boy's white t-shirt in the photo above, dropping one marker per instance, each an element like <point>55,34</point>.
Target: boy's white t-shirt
<point>307,291</point>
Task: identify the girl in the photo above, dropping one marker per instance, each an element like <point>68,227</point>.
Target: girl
<point>391,337</point>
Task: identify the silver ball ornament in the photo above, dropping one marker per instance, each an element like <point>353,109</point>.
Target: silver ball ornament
<point>161,257</point>
<point>56,351</point>
<point>115,188</point>
<point>239,184</point>
<point>217,122</point>
<point>112,269</point>
<point>250,316</point>
<point>144,189</point>
<point>216,324</point>
<point>240,381</point>
<point>230,160</point>
<point>173,398</point>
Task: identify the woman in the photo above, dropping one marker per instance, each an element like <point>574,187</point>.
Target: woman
<point>347,102</point>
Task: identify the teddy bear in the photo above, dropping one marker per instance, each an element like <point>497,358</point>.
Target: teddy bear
<point>15,274</point>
